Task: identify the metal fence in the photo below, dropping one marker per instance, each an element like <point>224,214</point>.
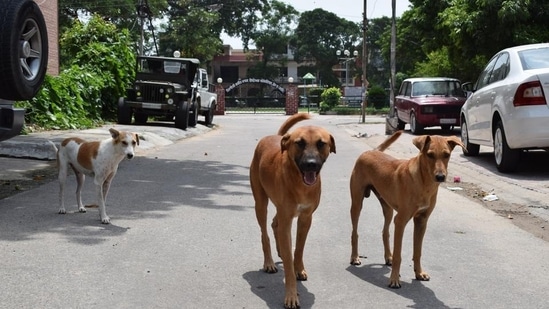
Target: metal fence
<point>255,105</point>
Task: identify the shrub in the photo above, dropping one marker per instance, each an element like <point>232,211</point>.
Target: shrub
<point>377,97</point>
<point>329,98</point>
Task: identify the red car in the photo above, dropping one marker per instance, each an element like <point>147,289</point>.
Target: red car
<point>429,102</point>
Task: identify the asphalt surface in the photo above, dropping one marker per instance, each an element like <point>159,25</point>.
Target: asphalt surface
<point>183,234</point>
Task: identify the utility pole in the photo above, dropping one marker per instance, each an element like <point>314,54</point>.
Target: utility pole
<point>364,61</point>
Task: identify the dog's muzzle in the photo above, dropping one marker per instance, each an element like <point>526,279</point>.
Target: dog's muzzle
<point>440,177</point>
<point>310,169</point>
<point>129,156</point>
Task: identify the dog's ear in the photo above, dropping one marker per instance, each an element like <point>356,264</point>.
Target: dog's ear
<point>136,138</point>
<point>114,133</point>
<point>284,142</point>
<point>454,141</point>
<point>332,144</point>
<point>422,142</point>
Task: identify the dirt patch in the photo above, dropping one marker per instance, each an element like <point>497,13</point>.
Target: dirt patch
<point>27,181</point>
<point>520,215</point>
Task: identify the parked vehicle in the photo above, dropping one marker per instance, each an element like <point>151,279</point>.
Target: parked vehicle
<point>508,109</point>
<point>429,102</point>
<point>172,88</point>
<point>23,60</point>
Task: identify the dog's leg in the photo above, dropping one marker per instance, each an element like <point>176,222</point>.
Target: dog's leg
<point>62,180</point>
<point>99,185</point>
<point>400,224</point>
<point>357,196</point>
<point>385,235</point>
<point>420,226</point>
<point>261,203</point>
<point>284,235</point>
<point>303,225</point>
<point>80,178</point>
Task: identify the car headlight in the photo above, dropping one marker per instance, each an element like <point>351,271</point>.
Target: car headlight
<point>428,109</point>
<point>170,101</point>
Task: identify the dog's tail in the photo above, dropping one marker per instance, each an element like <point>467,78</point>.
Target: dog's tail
<point>389,141</point>
<point>291,121</point>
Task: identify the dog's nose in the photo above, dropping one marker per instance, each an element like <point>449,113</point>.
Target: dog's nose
<point>440,177</point>
<point>129,155</point>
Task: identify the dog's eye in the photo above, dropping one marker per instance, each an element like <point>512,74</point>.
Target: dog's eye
<point>301,143</point>
<point>320,144</point>
<point>430,155</point>
<point>125,143</point>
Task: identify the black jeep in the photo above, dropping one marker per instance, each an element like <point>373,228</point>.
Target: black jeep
<point>163,87</point>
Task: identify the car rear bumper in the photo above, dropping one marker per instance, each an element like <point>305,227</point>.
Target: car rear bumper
<point>430,120</point>
<point>529,127</point>
<point>11,120</point>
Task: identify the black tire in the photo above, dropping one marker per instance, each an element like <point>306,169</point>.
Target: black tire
<point>23,49</point>
<point>415,127</point>
<point>472,149</point>
<point>193,116</point>
<point>182,115</point>
<point>507,159</point>
<point>124,112</point>
<point>140,117</point>
<point>210,115</point>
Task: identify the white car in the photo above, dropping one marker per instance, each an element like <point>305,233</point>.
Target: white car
<point>508,108</point>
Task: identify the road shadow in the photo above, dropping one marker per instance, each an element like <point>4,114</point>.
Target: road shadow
<point>416,291</point>
<point>270,288</point>
<point>144,187</point>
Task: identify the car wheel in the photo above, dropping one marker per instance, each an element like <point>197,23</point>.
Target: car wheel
<point>415,127</point>
<point>210,115</point>
<point>507,159</point>
<point>182,115</point>
<point>124,112</point>
<point>193,118</point>
<point>472,149</point>
<point>24,49</point>
<point>141,118</point>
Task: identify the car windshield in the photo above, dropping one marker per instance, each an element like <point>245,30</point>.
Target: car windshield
<point>537,58</point>
<point>439,88</point>
<point>162,66</point>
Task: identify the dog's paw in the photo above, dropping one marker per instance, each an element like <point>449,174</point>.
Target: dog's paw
<point>301,275</point>
<point>423,276</point>
<point>355,261</point>
<point>105,220</point>
<point>81,209</point>
<point>389,261</point>
<point>291,301</point>
<point>394,284</point>
<point>62,211</point>
<point>270,269</point>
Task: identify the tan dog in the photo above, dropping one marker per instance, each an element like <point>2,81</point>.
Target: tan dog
<point>286,169</point>
<point>99,159</point>
<point>408,186</point>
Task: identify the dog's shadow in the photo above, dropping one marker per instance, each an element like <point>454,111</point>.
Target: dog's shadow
<point>270,288</point>
<point>378,275</point>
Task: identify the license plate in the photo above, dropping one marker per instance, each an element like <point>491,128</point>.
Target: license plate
<point>150,105</point>
<point>447,121</point>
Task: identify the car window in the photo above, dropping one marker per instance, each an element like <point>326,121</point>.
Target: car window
<point>404,88</point>
<point>501,68</point>
<point>484,78</point>
<point>537,58</point>
<point>408,90</point>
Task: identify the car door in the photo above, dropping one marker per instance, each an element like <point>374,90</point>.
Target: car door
<point>401,101</point>
<point>478,107</point>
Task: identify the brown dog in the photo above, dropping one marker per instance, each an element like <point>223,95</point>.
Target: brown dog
<point>408,186</point>
<point>286,169</point>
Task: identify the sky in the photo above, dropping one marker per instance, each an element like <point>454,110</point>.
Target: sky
<point>348,9</point>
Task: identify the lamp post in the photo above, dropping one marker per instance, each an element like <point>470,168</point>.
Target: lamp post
<point>346,59</point>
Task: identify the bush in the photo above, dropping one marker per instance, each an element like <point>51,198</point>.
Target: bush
<point>329,98</point>
<point>377,97</point>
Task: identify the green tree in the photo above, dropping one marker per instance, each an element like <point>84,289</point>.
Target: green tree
<point>317,37</point>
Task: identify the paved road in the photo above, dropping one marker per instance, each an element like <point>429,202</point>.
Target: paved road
<point>183,235</point>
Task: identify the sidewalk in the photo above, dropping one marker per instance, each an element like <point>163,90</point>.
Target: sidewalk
<point>16,152</point>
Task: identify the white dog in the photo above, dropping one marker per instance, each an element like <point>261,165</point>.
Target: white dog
<point>99,159</point>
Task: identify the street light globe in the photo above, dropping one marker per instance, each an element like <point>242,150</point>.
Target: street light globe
<point>290,79</point>
<point>347,53</point>
<point>338,52</point>
<point>219,80</point>
<point>355,53</point>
